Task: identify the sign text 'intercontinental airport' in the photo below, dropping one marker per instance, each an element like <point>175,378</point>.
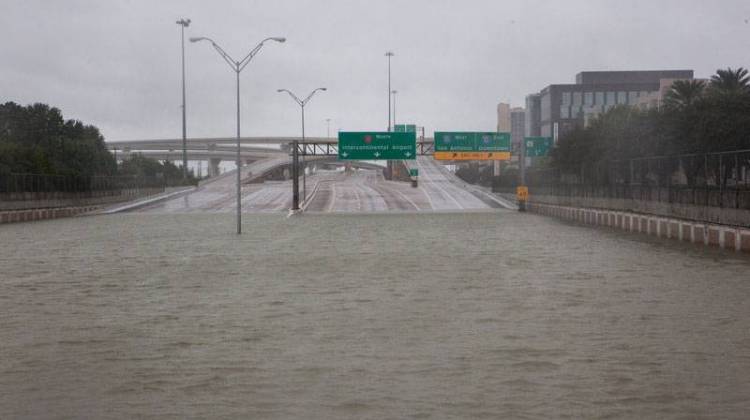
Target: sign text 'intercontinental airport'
<point>377,145</point>
<point>472,146</point>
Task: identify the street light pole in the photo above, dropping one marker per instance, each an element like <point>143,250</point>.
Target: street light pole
<point>295,184</point>
<point>184,23</point>
<point>328,128</point>
<point>389,54</point>
<point>238,66</point>
<point>389,164</point>
<point>304,166</point>
<point>394,92</point>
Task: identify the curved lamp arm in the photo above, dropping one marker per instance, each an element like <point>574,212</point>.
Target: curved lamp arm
<point>242,63</point>
<point>296,99</point>
<point>304,102</point>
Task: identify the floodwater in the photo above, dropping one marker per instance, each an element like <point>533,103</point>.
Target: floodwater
<point>368,316</point>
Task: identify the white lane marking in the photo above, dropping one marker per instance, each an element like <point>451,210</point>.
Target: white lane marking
<point>427,195</point>
<point>372,196</point>
<point>495,199</point>
<point>368,183</point>
<point>273,203</point>
<point>332,201</point>
<point>465,187</point>
<point>429,199</point>
<point>435,184</point>
<point>256,198</point>
<point>416,207</point>
<point>499,200</point>
<point>360,205</point>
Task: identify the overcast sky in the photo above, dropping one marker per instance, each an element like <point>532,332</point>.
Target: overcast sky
<point>116,63</point>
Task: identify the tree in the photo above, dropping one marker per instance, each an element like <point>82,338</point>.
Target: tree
<point>36,139</point>
<point>693,122</point>
<point>730,82</point>
<point>684,93</point>
<point>144,167</point>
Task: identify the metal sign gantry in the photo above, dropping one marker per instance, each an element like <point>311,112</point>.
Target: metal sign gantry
<point>331,148</point>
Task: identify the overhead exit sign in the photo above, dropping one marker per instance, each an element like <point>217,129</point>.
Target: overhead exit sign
<point>405,128</point>
<point>537,146</point>
<point>462,145</point>
<point>371,145</point>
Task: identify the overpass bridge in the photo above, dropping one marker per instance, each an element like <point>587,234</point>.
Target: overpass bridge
<point>214,150</point>
<point>213,157</point>
<point>198,142</point>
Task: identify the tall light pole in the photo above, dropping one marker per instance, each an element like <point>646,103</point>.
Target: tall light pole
<point>328,128</point>
<point>389,164</point>
<point>237,66</point>
<point>394,92</point>
<point>301,103</point>
<point>389,54</point>
<point>184,23</point>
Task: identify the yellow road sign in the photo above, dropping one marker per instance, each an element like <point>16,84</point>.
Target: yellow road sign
<point>522,193</point>
<point>472,155</point>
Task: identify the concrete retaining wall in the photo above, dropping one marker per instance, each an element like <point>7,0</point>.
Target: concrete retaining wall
<point>29,201</point>
<point>14,216</point>
<point>728,237</point>
<point>727,215</point>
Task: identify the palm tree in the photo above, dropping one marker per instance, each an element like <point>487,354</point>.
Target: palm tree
<point>731,81</point>
<point>684,93</point>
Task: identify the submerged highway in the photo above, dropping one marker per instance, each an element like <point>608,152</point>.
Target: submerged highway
<point>359,190</point>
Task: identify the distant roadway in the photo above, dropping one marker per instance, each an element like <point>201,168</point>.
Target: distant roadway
<point>339,191</point>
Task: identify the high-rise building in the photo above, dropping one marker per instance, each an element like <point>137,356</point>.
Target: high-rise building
<point>533,125</point>
<point>517,127</point>
<point>503,118</point>
<point>557,109</point>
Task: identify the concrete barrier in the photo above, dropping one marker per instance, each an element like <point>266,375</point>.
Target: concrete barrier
<point>16,216</point>
<point>31,201</point>
<point>721,236</point>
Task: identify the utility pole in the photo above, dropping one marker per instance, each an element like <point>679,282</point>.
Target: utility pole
<point>184,23</point>
<point>522,181</point>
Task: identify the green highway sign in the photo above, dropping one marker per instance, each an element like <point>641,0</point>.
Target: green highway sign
<point>471,141</point>
<point>377,145</point>
<point>537,146</point>
<point>413,172</point>
<point>405,128</point>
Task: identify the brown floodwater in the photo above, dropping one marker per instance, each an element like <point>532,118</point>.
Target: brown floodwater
<point>368,316</point>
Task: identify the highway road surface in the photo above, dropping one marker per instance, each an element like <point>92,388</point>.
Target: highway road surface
<point>340,191</point>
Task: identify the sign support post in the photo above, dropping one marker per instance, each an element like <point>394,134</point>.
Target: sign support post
<point>295,176</point>
<point>522,176</point>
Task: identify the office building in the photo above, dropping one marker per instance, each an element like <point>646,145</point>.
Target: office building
<point>517,127</point>
<point>557,109</point>
<point>503,118</point>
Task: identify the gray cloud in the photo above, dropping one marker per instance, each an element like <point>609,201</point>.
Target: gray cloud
<point>115,64</point>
